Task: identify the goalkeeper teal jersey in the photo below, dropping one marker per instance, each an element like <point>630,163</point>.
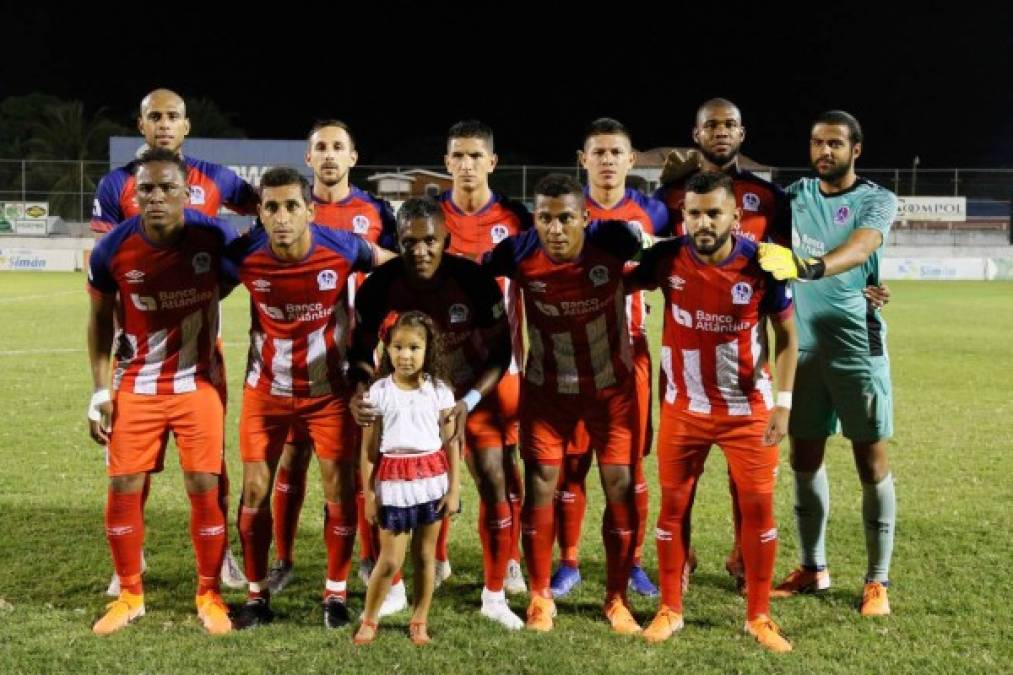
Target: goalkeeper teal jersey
<point>833,316</point>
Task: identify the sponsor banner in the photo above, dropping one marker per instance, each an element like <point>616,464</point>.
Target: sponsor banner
<point>39,260</point>
<point>936,269</point>
<point>946,209</point>
<point>31,228</point>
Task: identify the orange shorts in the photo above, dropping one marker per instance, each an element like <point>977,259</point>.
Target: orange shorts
<point>549,421</point>
<point>267,420</point>
<point>141,424</point>
<point>685,439</point>
<point>508,392</point>
<point>485,428</point>
<point>581,441</point>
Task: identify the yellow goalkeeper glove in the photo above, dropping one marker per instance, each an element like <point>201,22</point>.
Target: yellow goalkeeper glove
<point>783,263</point>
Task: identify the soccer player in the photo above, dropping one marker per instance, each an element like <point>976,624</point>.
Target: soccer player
<point>718,134</point>
<point>297,276</point>
<point>717,390</point>
<point>477,219</point>
<point>163,124</point>
<point>608,156</point>
<point>467,308</point>
<point>339,205</point>
<point>164,266</point>
<point>840,223</point>
<point>579,368</point>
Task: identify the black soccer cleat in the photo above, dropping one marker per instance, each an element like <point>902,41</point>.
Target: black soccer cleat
<point>336,613</point>
<point>254,613</point>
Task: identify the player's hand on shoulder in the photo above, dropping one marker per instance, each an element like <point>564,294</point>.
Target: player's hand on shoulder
<point>679,164</point>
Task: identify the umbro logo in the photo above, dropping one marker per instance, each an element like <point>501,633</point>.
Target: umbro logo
<point>134,277</point>
<point>261,285</point>
<point>537,286</point>
<point>676,283</point>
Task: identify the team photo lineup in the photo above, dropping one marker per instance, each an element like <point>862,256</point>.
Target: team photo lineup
<point>463,337</point>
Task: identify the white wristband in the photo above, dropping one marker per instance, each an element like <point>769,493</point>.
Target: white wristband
<point>98,398</point>
<point>784,399</point>
<point>471,399</point>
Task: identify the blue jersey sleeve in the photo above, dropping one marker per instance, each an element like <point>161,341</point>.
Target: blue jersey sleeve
<point>777,297</point>
<point>237,194</point>
<point>105,211</point>
<point>656,210</point>
<point>357,250</point>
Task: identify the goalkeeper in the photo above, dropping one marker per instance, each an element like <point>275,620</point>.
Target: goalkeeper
<point>840,222</point>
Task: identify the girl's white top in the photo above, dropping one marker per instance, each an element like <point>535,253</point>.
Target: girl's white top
<point>411,417</point>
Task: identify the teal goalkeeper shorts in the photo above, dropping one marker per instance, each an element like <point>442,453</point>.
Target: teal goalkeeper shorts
<point>850,391</point>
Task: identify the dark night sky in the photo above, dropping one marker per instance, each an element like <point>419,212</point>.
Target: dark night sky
<point>936,83</point>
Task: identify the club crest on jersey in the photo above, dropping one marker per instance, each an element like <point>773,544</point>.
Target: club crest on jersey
<point>458,313</point>
<point>537,286</point>
<point>196,195</point>
<point>327,280</point>
<point>841,215</point>
<point>261,285</point>
<point>202,263</point>
<point>499,233</point>
<point>742,293</point>
<point>599,275</point>
<point>676,283</point>
<point>134,277</point>
<point>750,202</point>
<point>360,224</point>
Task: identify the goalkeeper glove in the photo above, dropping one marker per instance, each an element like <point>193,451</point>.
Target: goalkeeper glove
<point>784,264</point>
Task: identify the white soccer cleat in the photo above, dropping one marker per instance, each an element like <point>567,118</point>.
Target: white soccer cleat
<point>443,572</point>
<point>396,600</point>
<point>513,583</point>
<point>231,573</point>
<point>113,590</point>
<point>495,607</point>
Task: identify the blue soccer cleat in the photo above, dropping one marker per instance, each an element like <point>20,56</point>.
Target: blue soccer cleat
<point>641,583</point>
<point>564,580</point>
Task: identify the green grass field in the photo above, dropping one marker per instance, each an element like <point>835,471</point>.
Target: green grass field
<point>952,573</point>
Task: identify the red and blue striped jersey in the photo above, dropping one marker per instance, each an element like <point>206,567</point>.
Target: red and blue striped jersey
<point>167,314</point>
<point>714,346</point>
<point>298,310</point>
<point>650,216</point>
<point>576,310</point>
<point>211,186</point>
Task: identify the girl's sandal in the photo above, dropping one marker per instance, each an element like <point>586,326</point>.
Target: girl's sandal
<point>366,633</point>
<point>417,633</point>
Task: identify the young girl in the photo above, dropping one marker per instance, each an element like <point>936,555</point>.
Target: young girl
<point>410,477</point>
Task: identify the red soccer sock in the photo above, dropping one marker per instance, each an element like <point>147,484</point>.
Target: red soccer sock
<point>442,554</point>
<point>339,537</point>
<point>642,500</point>
<point>571,505</point>
<point>736,512</point>
<point>759,550</point>
<point>365,531</point>
<point>515,495</point>
<point>538,533</point>
<point>289,492</point>
<point>207,532</point>
<point>255,535</point>
<point>124,521</point>
<point>618,530</point>
<point>494,530</point>
<point>673,541</point>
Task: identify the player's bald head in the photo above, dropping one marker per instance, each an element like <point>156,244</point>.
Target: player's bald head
<point>716,104</point>
<point>160,98</point>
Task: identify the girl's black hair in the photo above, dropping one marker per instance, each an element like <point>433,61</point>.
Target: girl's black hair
<point>433,364</point>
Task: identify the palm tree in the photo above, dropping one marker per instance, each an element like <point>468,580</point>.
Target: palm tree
<point>65,137</point>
